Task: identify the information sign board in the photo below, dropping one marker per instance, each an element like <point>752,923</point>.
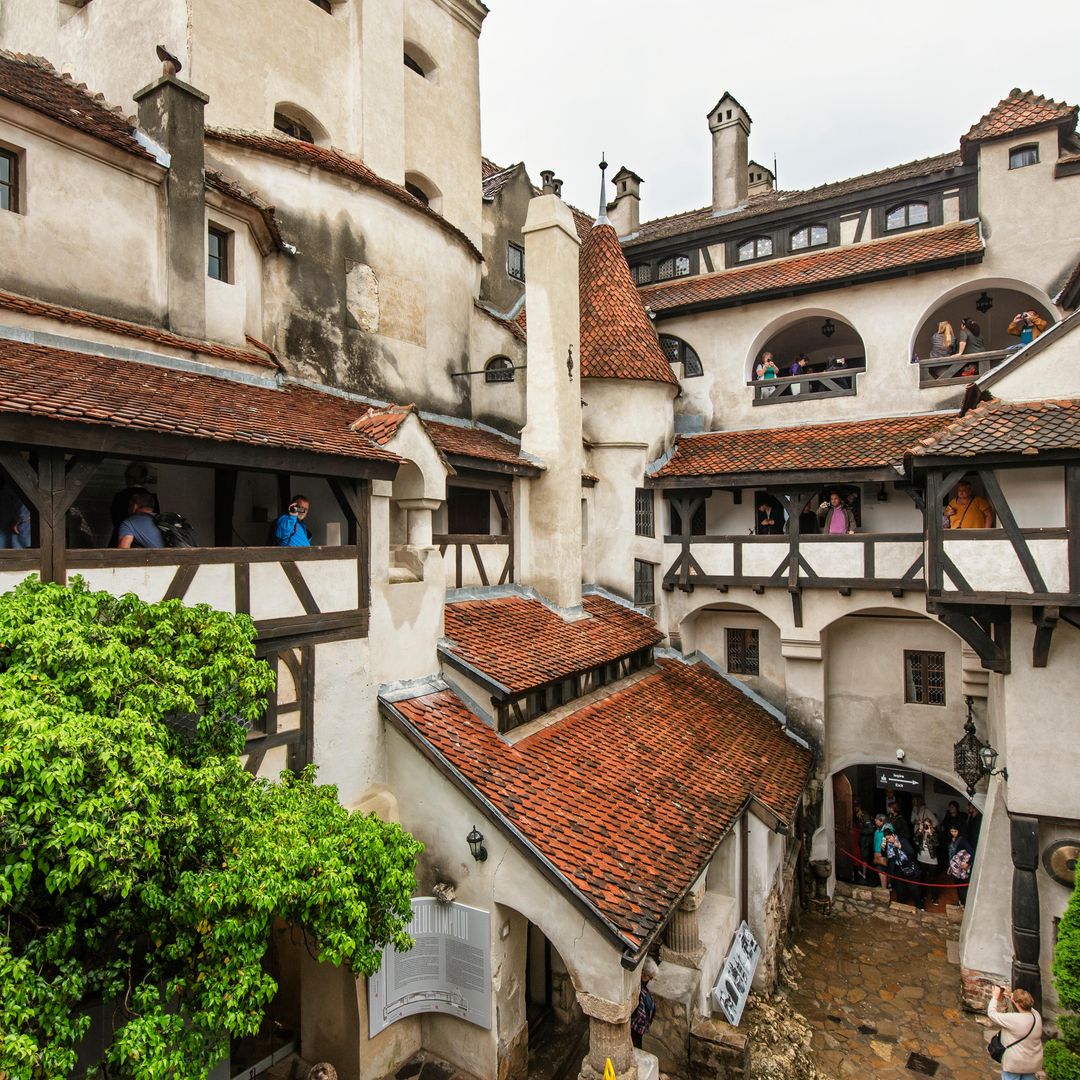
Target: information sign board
<point>733,987</point>
<point>899,779</point>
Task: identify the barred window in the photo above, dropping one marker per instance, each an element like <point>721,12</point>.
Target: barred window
<point>644,518</point>
<point>678,352</point>
<point>742,651</point>
<point>644,590</point>
<point>642,273</point>
<point>499,369</point>
<point>672,267</point>
<point>924,678</point>
<point>515,261</point>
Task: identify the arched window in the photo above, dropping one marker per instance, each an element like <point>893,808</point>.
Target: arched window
<point>678,352</point>
<point>417,192</point>
<point>325,5</point>
<point>499,369</point>
<point>758,248</point>
<point>1020,156</point>
<point>422,189</point>
<point>912,213</point>
<point>293,128</point>
<point>642,273</point>
<point>672,267</point>
<point>809,236</point>
<point>298,123</point>
<point>418,60</point>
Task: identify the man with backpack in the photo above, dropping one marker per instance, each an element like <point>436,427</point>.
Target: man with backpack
<point>139,529</point>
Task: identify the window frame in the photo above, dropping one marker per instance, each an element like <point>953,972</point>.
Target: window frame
<point>496,372</point>
<point>644,512</point>
<point>13,187</point>
<point>1025,147</point>
<point>809,228</point>
<point>742,650</point>
<point>511,248</point>
<point>642,273</point>
<point>683,353</point>
<point>919,688</point>
<point>674,260</point>
<point>644,574</point>
<point>226,255</point>
<point>735,257</point>
<point>293,128</point>
<point>908,223</point>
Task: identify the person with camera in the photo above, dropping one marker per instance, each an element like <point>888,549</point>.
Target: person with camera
<point>903,869</point>
<point>290,530</point>
<point>1019,1045</point>
<point>834,516</point>
<point>1027,326</point>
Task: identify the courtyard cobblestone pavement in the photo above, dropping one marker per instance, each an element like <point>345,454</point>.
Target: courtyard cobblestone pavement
<point>876,988</point>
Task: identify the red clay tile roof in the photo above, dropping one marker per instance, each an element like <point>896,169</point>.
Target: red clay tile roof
<point>859,444</point>
<point>68,386</point>
<point>14,302</point>
<point>630,796</point>
<point>515,326</point>
<point>32,81</point>
<point>925,249</point>
<point>766,202</point>
<point>340,164</point>
<point>219,182</point>
<point>1021,111</point>
<point>521,644</point>
<point>468,440</point>
<point>617,338</point>
<point>381,424</point>
<point>495,177</point>
<point>1007,427</point>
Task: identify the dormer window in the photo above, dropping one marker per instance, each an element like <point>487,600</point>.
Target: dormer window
<point>1022,156</point>
<point>758,248</point>
<point>672,267</point>
<point>906,215</point>
<point>809,236</point>
<point>642,273</point>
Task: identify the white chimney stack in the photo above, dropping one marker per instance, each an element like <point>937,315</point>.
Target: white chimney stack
<point>625,212</point>
<point>729,123</point>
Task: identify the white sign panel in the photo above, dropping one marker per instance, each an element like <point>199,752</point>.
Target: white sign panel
<point>448,970</point>
<point>731,991</point>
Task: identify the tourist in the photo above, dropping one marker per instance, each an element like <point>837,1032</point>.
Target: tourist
<point>926,842</point>
<point>898,822</point>
<point>801,366</point>
<point>766,368</point>
<point>880,860</point>
<point>839,363</point>
<point>14,516</point>
<point>1021,1033</point>
<point>138,529</point>
<point>770,519</point>
<point>941,341</point>
<point>952,817</point>
<point>137,476</point>
<point>972,825</point>
<point>970,338</point>
<point>290,530</point>
<point>966,510</point>
<point>642,1016</point>
<point>904,869</point>
<point>1027,326</point>
<point>960,855</point>
<point>834,516</point>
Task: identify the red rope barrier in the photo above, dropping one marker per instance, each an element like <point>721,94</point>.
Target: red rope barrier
<point>910,881</point>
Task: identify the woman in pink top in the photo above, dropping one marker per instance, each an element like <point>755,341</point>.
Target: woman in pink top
<point>834,516</point>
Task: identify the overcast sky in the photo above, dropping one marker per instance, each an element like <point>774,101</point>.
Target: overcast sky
<point>834,87</point>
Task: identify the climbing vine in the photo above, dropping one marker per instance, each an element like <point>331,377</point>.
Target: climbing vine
<point>1062,1056</point>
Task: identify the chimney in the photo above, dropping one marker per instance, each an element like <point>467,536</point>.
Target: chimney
<point>171,113</point>
<point>552,556</point>
<point>729,123</point>
<point>759,179</point>
<point>625,212</point>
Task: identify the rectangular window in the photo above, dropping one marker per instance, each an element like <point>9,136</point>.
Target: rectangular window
<point>515,261</point>
<point>644,590</point>
<point>1022,156</point>
<point>9,181</point>
<point>219,257</point>
<point>742,651</point>
<point>924,678</point>
<point>468,511</point>
<point>644,524</point>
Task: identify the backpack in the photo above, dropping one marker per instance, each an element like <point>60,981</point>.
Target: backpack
<point>176,530</point>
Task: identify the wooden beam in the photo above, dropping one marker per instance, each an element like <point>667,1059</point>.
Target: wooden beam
<point>1045,620</point>
<point>992,647</point>
<point>242,588</point>
<point>182,579</point>
<point>300,587</point>
<point>1012,530</point>
<point>1072,518</point>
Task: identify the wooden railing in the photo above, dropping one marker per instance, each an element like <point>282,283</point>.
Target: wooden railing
<point>836,382</point>
<point>476,559</point>
<point>958,369</point>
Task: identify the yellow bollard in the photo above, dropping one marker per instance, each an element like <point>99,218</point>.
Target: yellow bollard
<point>609,1070</point>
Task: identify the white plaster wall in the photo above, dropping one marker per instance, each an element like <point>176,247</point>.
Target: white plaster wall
<point>497,401</point>
<point>109,257</point>
<point>234,307</point>
<point>492,557</point>
<point>620,411</point>
<point>1053,373</point>
<point>1036,496</point>
<point>706,632</point>
<point>146,582</point>
<point>10,578</point>
<point>993,566</point>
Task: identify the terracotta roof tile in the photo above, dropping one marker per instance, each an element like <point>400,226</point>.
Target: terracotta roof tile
<point>617,338</point>
<point>28,306</point>
<point>522,644</point>
<point>1007,427</point>
<point>1021,111</point>
<point>630,796</point>
<point>860,444</point>
<point>87,389</point>
<point>340,164</point>
<point>495,177</point>
<point>32,81</point>
<point>381,424</point>
<point>227,186</point>
<point>468,440</point>
<point>767,202</point>
<point>925,248</point>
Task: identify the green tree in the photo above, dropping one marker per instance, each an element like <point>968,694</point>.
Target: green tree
<point>1063,1055</point>
<point>139,863</point>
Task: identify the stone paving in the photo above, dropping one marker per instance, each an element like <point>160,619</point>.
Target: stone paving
<point>876,988</point>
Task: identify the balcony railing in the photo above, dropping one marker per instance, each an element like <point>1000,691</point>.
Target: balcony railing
<point>843,562</point>
<point>836,382</point>
<point>476,559</point>
<point>959,369</point>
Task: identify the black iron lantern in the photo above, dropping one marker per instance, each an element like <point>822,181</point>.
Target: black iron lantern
<point>972,758</point>
<point>475,840</point>
<point>828,328</point>
<point>984,303</point>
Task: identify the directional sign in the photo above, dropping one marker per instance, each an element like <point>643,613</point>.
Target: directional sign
<point>899,779</point>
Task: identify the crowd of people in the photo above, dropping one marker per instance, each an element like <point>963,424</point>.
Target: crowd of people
<point>768,370</point>
<point>902,851</point>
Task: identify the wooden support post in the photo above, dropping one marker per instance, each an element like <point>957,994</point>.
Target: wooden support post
<point>1045,620</point>
<point>1072,520</point>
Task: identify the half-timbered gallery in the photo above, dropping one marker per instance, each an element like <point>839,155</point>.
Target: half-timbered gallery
<point>642,551</point>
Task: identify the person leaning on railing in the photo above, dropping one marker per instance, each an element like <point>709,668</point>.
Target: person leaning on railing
<point>967,510</point>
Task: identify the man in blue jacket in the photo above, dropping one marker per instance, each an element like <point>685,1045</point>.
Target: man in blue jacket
<point>290,530</point>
